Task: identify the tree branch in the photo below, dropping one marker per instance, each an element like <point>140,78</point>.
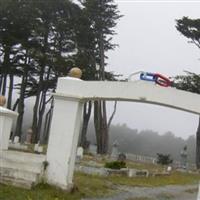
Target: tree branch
<point>112,115</point>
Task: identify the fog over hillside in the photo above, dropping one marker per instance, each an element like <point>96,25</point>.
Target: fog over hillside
<point>147,142</point>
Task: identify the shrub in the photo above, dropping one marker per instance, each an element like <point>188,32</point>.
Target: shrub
<point>115,165</point>
<point>164,159</point>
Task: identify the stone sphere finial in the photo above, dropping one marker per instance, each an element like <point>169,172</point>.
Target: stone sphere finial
<point>75,72</point>
<point>2,100</point>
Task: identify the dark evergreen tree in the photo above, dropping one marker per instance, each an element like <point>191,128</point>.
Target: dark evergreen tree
<point>191,83</point>
<point>42,40</point>
<point>190,28</point>
<point>102,16</point>
<point>52,41</point>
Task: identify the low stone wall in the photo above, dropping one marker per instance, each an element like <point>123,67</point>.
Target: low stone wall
<point>139,158</point>
<point>108,172</point>
<point>91,170</point>
<point>147,159</point>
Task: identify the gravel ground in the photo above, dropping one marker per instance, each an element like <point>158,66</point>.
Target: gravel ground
<point>188,192</point>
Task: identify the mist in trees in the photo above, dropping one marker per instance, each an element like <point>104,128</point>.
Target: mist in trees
<point>41,40</point>
<point>147,142</point>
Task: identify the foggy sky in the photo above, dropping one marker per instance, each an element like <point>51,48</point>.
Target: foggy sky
<point>149,41</point>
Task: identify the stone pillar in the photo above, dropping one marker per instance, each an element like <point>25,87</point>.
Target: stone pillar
<point>6,120</point>
<point>63,141</point>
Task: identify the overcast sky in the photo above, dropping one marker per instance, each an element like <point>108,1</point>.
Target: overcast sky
<point>149,41</point>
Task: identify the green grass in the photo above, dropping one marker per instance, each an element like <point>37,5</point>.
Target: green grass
<point>176,178</point>
<point>150,167</point>
<point>93,186</point>
<point>41,192</point>
<point>97,186</point>
<point>87,186</point>
<point>165,196</point>
<point>140,198</point>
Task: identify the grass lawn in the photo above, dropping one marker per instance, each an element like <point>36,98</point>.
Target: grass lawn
<point>41,192</point>
<point>176,178</point>
<point>92,186</point>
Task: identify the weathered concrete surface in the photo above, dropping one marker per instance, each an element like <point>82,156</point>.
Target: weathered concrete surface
<point>21,169</point>
<point>137,91</point>
<point>67,116</point>
<point>63,141</point>
<point>6,120</point>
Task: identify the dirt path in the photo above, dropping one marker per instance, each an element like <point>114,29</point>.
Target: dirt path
<point>188,192</point>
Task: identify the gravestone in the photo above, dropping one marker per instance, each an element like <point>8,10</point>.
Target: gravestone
<point>29,136</point>
<point>115,151</point>
<point>16,140</point>
<point>184,157</point>
<point>79,154</point>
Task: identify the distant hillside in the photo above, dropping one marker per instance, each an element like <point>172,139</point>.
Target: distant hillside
<point>147,142</point>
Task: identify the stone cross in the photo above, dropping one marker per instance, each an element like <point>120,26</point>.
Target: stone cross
<point>184,157</point>
<point>115,151</point>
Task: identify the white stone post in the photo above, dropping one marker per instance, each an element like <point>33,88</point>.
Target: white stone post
<point>63,140</point>
<point>6,120</point>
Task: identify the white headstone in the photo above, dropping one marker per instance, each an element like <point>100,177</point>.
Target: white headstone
<point>169,169</point>
<point>16,139</point>
<point>36,147</point>
<point>80,152</point>
<point>40,149</point>
<point>115,151</point>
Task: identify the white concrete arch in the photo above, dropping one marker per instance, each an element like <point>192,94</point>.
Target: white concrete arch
<point>136,91</point>
<point>70,95</point>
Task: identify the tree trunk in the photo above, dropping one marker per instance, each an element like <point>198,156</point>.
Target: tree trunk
<point>37,105</point>
<point>86,117</point>
<point>35,116</point>
<point>112,115</point>
<point>21,105</point>
<point>101,127</point>
<point>10,92</point>
<point>5,70</point>
<point>48,123</point>
<point>100,115</point>
<point>42,107</point>
<point>15,104</point>
<point>1,79</point>
<point>97,125</point>
<point>39,96</point>
<point>4,85</point>
<point>105,134</point>
<point>198,146</point>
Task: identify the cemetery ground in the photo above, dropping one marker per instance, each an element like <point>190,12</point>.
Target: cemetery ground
<point>178,185</point>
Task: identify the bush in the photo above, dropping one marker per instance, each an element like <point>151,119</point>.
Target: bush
<point>164,159</point>
<point>115,165</point>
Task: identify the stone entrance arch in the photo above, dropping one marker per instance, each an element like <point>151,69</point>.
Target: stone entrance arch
<point>66,122</point>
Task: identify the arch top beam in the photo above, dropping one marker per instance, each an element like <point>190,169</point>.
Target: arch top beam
<point>136,91</point>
